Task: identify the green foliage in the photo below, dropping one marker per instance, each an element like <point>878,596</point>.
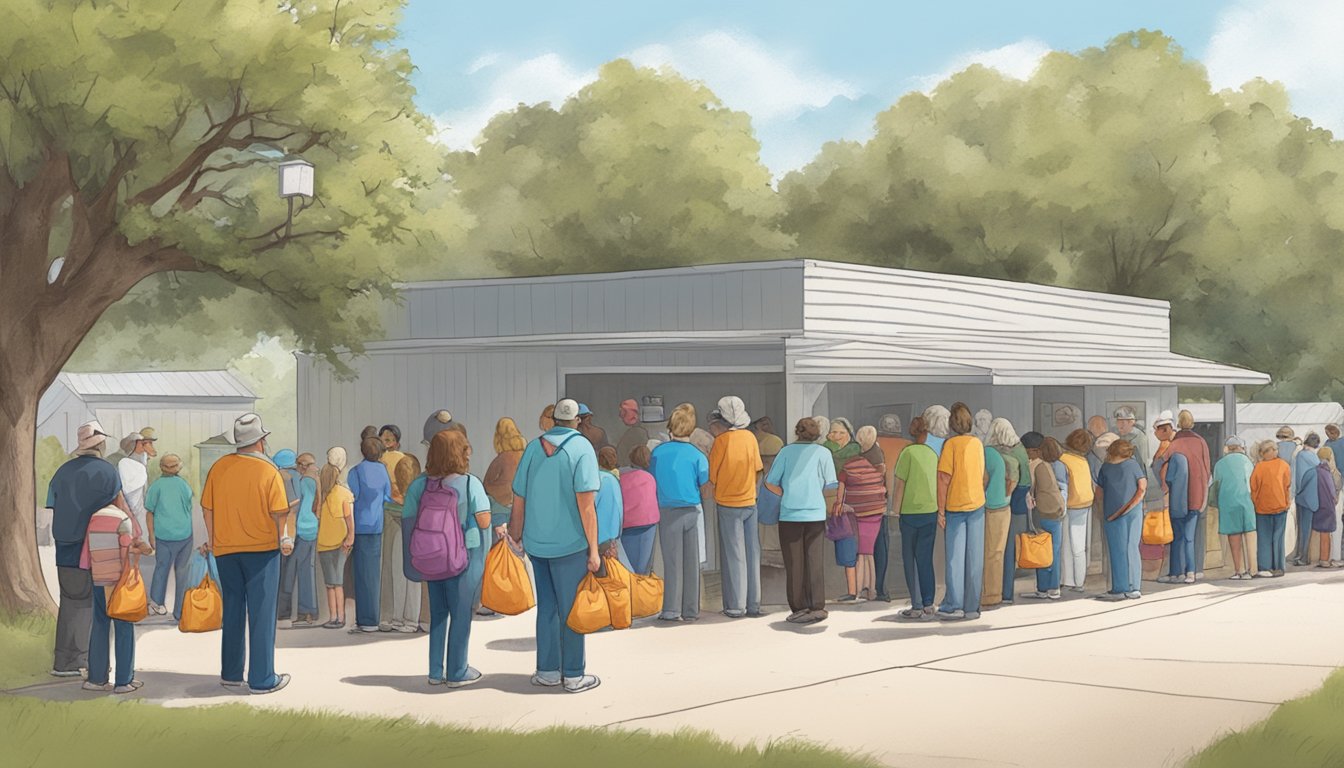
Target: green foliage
<point>1115,169</point>
<point>640,169</point>
<point>49,457</point>
<point>27,642</point>
<point>271,372</point>
<point>1303,733</point>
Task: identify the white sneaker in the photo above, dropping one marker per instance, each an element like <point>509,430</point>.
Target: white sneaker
<point>157,610</point>
<point>1189,578</point>
<point>1053,594</point>
<point>1263,575</point>
<point>408,629</point>
<point>956,615</point>
<point>1169,579</point>
<point>581,684</point>
<point>473,676</point>
<point>279,683</point>
<point>1036,595</point>
<point>1135,595</point>
<point>546,679</point>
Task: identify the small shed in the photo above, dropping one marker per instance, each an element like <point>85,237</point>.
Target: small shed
<point>1260,421</point>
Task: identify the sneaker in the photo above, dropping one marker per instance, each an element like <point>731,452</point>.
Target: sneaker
<point>1053,594</point>
<point>95,686</point>
<point>1111,597</point>
<point>929,614</point>
<point>233,683</point>
<point>157,609</point>
<point>407,629</point>
<point>1236,577</point>
<point>1036,595</point>
<point>912,613</point>
<point>281,682</point>
<point>438,681</point>
<point>385,626</point>
<point>130,687</point>
<point>473,676</point>
<point>1135,595</point>
<point>884,597</point>
<point>1277,572</point>
<point>734,614</point>
<point>1077,589</point>
<point>956,615</point>
<point>1007,601</point>
<point>1199,575</point>
<point>1170,579</point>
<point>795,616</point>
<point>358,629</point>
<point>972,616</point>
<point>813,617</point>
<point>334,624</point>
<point>65,673</point>
<point>668,617</point>
<point>847,599</point>
<point>581,684</point>
<point>302,621</point>
<point>546,679</point>
<point>1189,578</point>
<point>1263,574</point>
<point>483,611</point>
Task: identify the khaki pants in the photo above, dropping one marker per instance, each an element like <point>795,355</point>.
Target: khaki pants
<point>996,538</point>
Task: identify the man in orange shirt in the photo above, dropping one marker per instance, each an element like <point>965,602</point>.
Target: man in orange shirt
<point>246,515</point>
<point>1271,492</point>
<point>735,469</point>
<point>890,441</point>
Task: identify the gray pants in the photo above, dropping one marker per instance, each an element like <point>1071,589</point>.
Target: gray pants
<point>74,621</point>
<point>1201,540</point>
<point>400,598</point>
<point>740,547</point>
<point>678,537</point>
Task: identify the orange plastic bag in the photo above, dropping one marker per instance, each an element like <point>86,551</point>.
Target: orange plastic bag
<point>128,601</point>
<point>616,583</point>
<point>1035,550</point>
<point>646,595</point>
<point>591,611</point>
<point>202,607</point>
<point>1157,528</point>
<point>505,587</point>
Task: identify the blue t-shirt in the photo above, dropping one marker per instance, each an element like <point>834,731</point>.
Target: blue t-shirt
<point>169,499</point>
<point>1119,483</point>
<point>471,499</point>
<point>548,484</point>
<point>307,518</point>
<point>1337,447</point>
<point>1304,478</point>
<point>1061,476</point>
<point>996,493</point>
<point>610,507</point>
<point>679,469</point>
<point>1175,469</point>
<point>80,487</point>
<point>936,443</point>
<point>803,471</point>
<point>369,482</point>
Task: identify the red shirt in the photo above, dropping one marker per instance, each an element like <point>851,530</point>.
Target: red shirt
<point>1196,453</point>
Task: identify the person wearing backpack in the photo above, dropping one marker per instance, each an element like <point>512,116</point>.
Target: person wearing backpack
<point>555,519</point>
<point>444,514</point>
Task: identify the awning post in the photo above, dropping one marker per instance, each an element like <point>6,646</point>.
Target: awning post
<point>1229,410</point>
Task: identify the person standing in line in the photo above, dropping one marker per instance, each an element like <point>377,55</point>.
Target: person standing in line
<point>1236,514</point>
<point>840,440</point>
<point>437,422</point>
<point>1082,483</point>
<point>635,434</point>
<point>595,434</point>
<point>915,500</point>
<point>246,513</point>
<point>1016,464</point>
<point>998,519</point>
<point>555,519</point>
<point>1051,509</point>
<point>112,536</point>
<point>1173,470</point>
<point>961,513</point>
<point>935,419</point>
<point>639,518</point>
<point>398,597</point>
<point>447,469</point>
<point>735,468</point>
<point>134,470</point>
<point>546,422</point>
<point>680,472</point>
<point>1187,442</point>
<point>1271,492</point>
<point>803,476</point>
<point>890,441</point>
<point>1127,427</point>
<point>335,533</point>
<point>168,531</point>
<point>824,436</point>
<point>863,488</point>
<point>372,486</point>
<point>983,420</point>
<point>285,460</point>
<point>610,506</point>
<point>298,570</point>
<point>508,444</point>
<point>81,486</point>
<point>1121,486</point>
<point>1327,494</point>
<point>1304,495</point>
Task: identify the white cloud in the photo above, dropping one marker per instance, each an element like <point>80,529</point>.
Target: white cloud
<point>1017,60</point>
<point>1298,44</point>
<point>544,78</point>
<point>484,61</point>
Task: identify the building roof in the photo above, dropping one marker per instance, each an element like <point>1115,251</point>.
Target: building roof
<point>157,384</point>
<point>1270,414</point>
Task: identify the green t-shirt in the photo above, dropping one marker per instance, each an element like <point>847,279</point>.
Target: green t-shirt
<point>918,469</point>
<point>169,498</point>
<point>1019,452</point>
<point>996,493</point>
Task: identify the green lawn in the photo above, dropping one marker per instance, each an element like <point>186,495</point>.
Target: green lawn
<point>42,733</point>
<point>1303,733</point>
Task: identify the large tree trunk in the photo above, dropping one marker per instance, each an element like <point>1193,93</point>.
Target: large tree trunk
<point>22,585</point>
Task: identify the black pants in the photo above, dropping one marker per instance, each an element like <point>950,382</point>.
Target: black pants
<point>881,553</point>
<point>74,620</point>
<point>802,545</point>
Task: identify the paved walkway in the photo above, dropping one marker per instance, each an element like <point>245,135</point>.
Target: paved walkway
<point>1075,682</point>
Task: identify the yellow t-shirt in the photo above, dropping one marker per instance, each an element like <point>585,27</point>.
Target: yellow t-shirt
<point>1080,481</point>
<point>964,459</point>
<point>243,492</point>
<point>390,460</point>
<point>331,530</point>
<point>733,463</point>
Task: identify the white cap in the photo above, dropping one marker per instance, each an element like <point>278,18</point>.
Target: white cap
<point>247,430</point>
<point>566,410</point>
<point>1164,418</point>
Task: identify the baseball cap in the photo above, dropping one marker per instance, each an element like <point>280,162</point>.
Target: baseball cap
<point>584,410</point>
<point>568,410</point>
<point>1126,413</point>
<point>1235,442</point>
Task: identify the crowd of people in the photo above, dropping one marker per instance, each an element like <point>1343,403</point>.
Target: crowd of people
<point>276,523</point>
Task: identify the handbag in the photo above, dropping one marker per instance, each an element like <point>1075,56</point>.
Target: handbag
<point>842,526</point>
<point>646,595</point>
<point>615,581</point>
<point>505,587</point>
<point>767,506</point>
<point>128,601</point>
<point>591,611</point>
<point>202,607</point>
<point>1157,528</point>
<point>1035,549</point>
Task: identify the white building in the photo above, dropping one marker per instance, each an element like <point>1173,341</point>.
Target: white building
<point>1261,421</point>
<point>792,338</point>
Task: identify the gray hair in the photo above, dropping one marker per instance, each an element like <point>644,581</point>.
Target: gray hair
<point>867,437</point>
<point>936,420</point>
<point>823,427</point>
<point>1002,434</point>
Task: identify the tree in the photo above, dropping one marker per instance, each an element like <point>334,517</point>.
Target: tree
<point>1115,169</point>
<point>138,145</point>
<point>639,169</point>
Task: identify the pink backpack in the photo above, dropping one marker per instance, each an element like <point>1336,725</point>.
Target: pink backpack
<point>437,546</point>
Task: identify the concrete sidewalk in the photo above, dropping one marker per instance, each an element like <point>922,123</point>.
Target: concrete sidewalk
<point>1069,683</point>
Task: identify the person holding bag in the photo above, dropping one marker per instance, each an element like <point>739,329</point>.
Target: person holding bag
<point>113,534</point>
<point>1050,510</point>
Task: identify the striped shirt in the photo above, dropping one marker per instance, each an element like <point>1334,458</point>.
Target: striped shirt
<point>105,546</point>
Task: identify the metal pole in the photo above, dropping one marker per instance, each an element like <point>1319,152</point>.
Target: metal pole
<point>1229,411</point>
<point>289,222</point>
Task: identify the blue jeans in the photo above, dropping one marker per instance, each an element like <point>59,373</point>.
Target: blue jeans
<point>366,560</point>
<point>99,643</point>
<point>248,582</point>
<point>1017,523</point>
<point>1135,566</point>
<point>1269,530</point>
<point>1120,543</point>
<point>638,542</point>
<point>881,552</point>
<point>1048,578</point>
<point>1183,544</point>
<point>450,602</point>
<point>1304,515</point>
<point>559,648</point>
<point>918,533</point>
<point>964,538</point>
<point>740,543</point>
<point>175,555</point>
<point>299,566</point>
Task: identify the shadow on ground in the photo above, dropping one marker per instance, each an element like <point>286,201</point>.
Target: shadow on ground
<point>419,684</point>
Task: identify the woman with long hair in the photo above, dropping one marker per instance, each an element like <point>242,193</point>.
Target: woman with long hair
<point>335,533</point>
<point>508,445</point>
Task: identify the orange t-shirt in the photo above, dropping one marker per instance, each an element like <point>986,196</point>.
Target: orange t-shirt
<point>244,492</point>
<point>733,463</point>
<point>1271,482</point>
<point>963,459</point>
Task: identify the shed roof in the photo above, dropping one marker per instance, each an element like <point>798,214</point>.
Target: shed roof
<point>1273,414</point>
<point>157,384</point>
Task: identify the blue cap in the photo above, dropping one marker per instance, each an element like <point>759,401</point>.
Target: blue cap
<point>284,458</point>
<point>583,410</point>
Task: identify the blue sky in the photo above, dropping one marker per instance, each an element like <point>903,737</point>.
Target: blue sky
<point>814,72</point>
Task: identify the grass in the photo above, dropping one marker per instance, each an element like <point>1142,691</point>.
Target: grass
<point>44,733</point>
<point>1302,733</point>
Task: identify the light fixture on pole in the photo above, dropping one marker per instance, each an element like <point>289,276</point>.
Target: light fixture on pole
<point>296,180</point>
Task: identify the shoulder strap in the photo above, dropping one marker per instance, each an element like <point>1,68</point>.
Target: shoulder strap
<point>559,447</point>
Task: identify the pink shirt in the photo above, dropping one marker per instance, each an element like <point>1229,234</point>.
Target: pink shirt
<point>641,498</point>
